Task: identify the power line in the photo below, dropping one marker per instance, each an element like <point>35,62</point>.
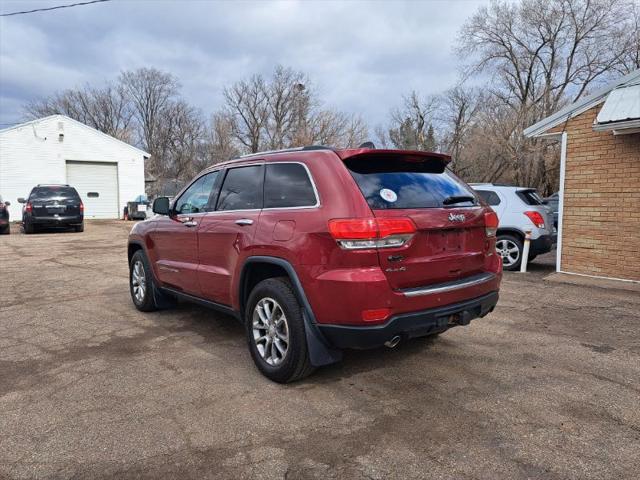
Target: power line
<point>52,8</point>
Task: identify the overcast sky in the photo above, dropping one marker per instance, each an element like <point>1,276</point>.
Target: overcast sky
<point>362,56</point>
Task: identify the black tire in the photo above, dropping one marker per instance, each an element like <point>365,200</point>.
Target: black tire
<point>532,257</point>
<point>517,242</point>
<point>295,364</point>
<point>79,228</point>
<point>6,230</point>
<point>28,227</point>
<point>145,303</point>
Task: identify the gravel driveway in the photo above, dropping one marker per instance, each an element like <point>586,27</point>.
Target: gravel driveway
<point>545,387</point>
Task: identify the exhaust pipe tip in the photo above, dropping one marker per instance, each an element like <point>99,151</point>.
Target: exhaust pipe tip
<point>393,342</point>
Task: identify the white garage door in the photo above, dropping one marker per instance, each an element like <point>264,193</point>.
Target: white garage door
<point>97,184</point>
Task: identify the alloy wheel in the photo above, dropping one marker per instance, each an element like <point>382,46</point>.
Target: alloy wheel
<point>509,251</point>
<point>270,331</point>
<point>138,281</point>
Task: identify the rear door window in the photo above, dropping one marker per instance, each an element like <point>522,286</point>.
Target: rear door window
<point>287,185</point>
<point>394,183</point>
<point>242,189</point>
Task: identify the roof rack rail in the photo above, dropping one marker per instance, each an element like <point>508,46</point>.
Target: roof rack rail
<point>317,147</point>
<point>52,185</point>
<point>493,184</point>
<point>285,150</point>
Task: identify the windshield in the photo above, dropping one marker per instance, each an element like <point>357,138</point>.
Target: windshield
<point>394,183</point>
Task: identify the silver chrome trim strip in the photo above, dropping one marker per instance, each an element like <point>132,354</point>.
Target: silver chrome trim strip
<point>449,286</point>
<point>168,269</point>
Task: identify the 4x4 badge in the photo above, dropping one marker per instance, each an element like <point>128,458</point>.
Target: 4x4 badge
<point>457,217</point>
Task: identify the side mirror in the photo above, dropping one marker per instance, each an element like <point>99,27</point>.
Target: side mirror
<point>22,200</point>
<point>161,206</point>
<point>7,204</point>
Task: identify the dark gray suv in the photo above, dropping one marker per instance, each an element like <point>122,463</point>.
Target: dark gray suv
<point>52,206</point>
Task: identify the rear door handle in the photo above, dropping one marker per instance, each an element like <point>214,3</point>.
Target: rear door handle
<point>244,221</point>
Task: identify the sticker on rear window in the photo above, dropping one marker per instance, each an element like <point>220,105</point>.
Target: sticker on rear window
<point>388,195</point>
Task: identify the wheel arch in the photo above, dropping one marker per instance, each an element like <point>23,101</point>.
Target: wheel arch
<point>132,248</point>
<point>258,268</point>
<point>510,231</point>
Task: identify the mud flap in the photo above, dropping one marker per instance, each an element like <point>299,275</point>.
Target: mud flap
<point>319,352</point>
<point>161,299</point>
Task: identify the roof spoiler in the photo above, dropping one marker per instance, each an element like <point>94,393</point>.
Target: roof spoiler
<point>408,155</point>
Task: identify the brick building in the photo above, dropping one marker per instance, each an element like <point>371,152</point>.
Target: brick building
<point>599,212</point>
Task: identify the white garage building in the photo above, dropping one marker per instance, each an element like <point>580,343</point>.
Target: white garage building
<point>106,171</point>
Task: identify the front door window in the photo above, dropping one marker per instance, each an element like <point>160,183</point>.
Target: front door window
<point>196,198</point>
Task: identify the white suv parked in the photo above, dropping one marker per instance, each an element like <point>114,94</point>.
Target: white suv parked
<point>519,210</point>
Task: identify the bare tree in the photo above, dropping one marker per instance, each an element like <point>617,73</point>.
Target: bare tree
<point>284,111</point>
<point>354,133</point>
<point>457,116</point>
<point>289,100</point>
<point>247,107</point>
<point>181,134</point>
<point>106,109</point>
<point>540,55</point>
<point>412,124</point>
<point>144,107</point>
<point>630,41</point>
<point>151,93</point>
<point>220,144</point>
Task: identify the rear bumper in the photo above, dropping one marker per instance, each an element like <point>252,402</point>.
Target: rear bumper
<point>339,296</point>
<point>542,244</point>
<point>409,325</point>
<point>53,221</point>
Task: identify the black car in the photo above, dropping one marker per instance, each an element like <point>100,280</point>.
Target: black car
<point>52,206</point>
<point>5,226</point>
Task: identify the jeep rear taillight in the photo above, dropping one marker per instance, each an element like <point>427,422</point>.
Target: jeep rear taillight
<point>536,218</point>
<point>81,207</point>
<point>363,233</point>
<point>28,207</point>
<point>491,223</point>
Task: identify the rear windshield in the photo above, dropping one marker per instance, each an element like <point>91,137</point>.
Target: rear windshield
<point>393,183</point>
<point>42,193</point>
<point>530,197</point>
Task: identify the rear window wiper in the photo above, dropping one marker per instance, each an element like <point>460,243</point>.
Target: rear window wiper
<point>458,199</point>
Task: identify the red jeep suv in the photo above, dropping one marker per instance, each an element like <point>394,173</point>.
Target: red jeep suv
<point>316,250</point>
